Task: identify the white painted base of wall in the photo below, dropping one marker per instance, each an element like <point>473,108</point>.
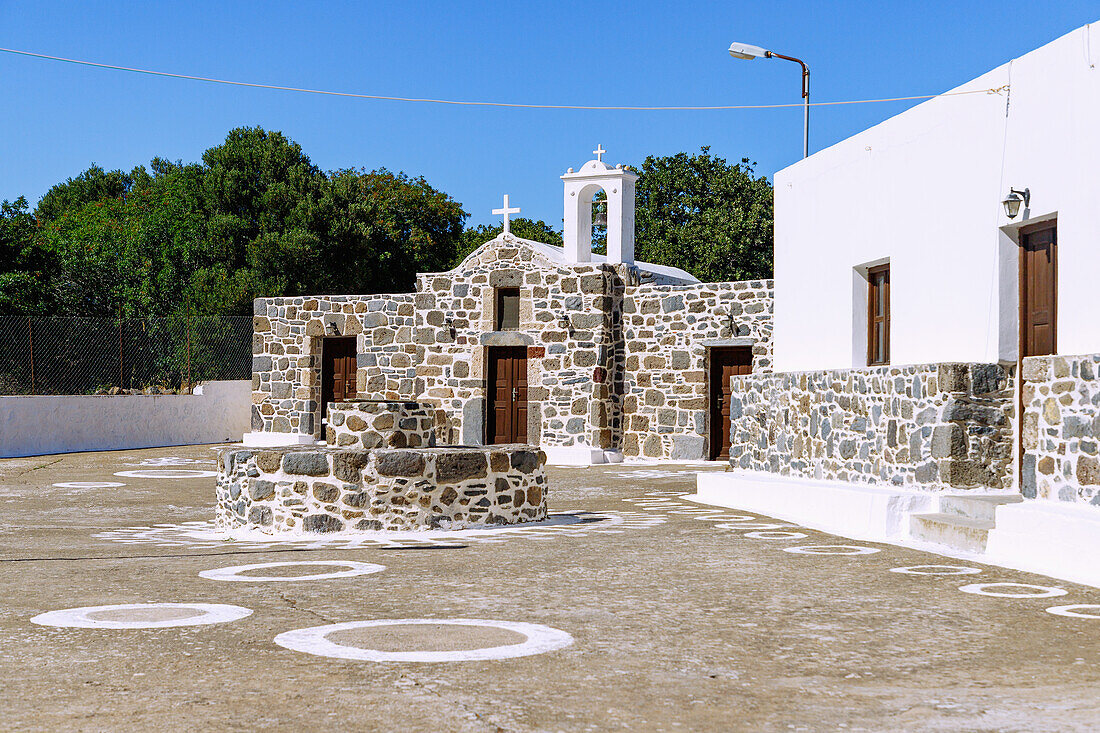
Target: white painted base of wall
<point>856,511</point>
<point>218,412</point>
<point>276,440</point>
<point>579,455</point>
<point>1061,540</point>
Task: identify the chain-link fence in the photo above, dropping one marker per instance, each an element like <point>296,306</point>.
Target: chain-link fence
<point>72,355</point>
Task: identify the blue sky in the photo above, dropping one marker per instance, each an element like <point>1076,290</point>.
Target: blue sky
<point>56,118</point>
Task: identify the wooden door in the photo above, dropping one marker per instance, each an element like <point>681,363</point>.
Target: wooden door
<point>1039,290</point>
<point>507,395</point>
<point>338,365</point>
<point>725,362</point>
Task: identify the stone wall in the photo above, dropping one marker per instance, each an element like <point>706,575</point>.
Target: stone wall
<point>286,347</point>
<point>379,424</point>
<point>667,334</point>
<point>1061,430</point>
<point>331,490</point>
<point>932,426</point>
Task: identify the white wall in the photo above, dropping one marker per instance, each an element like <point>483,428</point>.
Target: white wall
<point>923,189</point>
<point>41,425</point>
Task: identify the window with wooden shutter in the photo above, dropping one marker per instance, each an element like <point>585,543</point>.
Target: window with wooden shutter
<point>878,315</point>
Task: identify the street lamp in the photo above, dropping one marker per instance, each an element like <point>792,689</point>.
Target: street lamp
<point>747,53</point>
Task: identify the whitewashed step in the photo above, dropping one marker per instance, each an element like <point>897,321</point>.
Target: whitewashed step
<point>951,530</point>
<point>977,507</point>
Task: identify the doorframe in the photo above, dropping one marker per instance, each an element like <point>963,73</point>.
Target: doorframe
<point>1021,233</point>
<point>322,340</point>
<point>711,347</point>
<point>490,387</point>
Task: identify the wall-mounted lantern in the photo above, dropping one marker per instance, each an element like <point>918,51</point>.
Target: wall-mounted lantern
<point>449,324</point>
<point>566,323</point>
<point>333,328</point>
<point>1013,200</point>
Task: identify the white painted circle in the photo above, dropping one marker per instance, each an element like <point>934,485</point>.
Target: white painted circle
<point>936,570</point>
<point>831,550</point>
<point>233,573</point>
<point>167,473</point>
<point>1041,591</point>
<point>312,640</point>
<point>761,525</point>
<point>773,535</point>
<point>1073,610</point>
<point>727,518</point>
<point>88,485</point>
<point>82,618</point>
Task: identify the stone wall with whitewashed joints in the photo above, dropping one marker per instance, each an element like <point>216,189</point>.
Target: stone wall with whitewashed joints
<point>1061,430</point>
<point>320,490</point>
<point>286,346</point>
<point>379,424</point>
<point>932,426</point>
<point>667,333</point>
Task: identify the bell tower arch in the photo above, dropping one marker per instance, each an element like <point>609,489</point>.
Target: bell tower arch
<point>580,188</point>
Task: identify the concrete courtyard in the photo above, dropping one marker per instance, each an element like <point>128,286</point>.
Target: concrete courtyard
<point>676,616</point>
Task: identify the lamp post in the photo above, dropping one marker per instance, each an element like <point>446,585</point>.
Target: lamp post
<point>747,53</point>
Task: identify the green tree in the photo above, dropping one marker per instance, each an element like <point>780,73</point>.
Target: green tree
<point>534,229</point>
<point>94,184</point>
<point>23,262</point>
<point>703,215</point>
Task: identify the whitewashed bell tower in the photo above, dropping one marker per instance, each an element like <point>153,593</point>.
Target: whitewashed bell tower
<point>580,188</point>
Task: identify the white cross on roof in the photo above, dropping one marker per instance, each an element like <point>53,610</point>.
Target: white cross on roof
<point>505,211</point>
<point>599,151</point>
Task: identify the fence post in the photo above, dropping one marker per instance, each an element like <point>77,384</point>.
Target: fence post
<point>30,346</point>
<point>188,351</point>
<point>121,373</point>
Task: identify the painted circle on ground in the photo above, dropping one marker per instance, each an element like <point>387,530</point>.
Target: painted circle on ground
<point>233,573</point>
<point>1041,591</point>
<point>313,640</point>
<point>1073,610</point>
<point>831,550</point>
<point>167,473</point>
<point>762,525</point>
<point>142,615</point>
<point>727,518</point>
<point>773,535</point>
<point>936,570</point>
<point>88,485</point>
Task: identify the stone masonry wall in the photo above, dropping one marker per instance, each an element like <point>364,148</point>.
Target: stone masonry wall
<point>330,490</point>
<point>933,426</point>
<point>667,333</point>
<point>1061,430</point>
<point>286,348</point>
<point>379,424</point>
<point>568,364</point>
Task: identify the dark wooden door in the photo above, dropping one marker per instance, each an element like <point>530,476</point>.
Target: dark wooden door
<point>1039,291</point>
<point>507,395</point>
<point>725,362</point>
<point>337,371</point>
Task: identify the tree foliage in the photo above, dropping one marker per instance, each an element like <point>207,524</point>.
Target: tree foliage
<point>703,215</point>
<point>257,218</point>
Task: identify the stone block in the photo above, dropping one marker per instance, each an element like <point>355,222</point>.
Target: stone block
<point>406,463</point>
<point>948,441</point>
<point>258,489</point>
<point>1088,471</point>
<point>348,465</point>
<point>313,463</point>
<point>460,466</point>
<point>322,523</point>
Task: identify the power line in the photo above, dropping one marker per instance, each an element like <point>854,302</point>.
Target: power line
<point>468,103</point>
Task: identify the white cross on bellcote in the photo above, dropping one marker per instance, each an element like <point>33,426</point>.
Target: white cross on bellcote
<point>505,211</point>
<point>598,152</point>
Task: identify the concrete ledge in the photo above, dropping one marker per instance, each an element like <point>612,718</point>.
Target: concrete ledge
<point>580,455</point>
<point>1060,540</point>
<point>277,440</point>
<point>874,513</point>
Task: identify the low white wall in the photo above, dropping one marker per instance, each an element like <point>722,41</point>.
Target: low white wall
<point>41,425</point>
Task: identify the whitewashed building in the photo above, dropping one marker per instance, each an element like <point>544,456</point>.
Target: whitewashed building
<point>916,320</point>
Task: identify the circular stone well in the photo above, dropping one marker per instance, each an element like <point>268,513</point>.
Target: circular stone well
<point>325,489</point>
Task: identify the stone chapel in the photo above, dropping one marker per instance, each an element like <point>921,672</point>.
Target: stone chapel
<point>591,357</point>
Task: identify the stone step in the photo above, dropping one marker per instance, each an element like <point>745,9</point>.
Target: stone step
<point>951,530</point>
<point>983,507</point>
